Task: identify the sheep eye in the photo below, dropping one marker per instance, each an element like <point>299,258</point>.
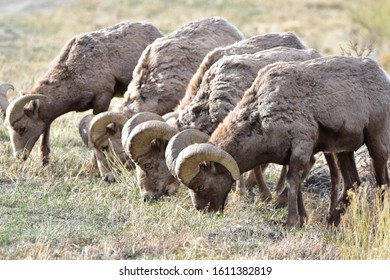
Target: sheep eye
<point>105,148</point>
<point>197,112</point>
<point>147,165</point>
<point>200,187</point>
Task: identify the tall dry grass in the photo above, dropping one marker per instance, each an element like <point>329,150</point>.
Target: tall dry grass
<point>365,230</point>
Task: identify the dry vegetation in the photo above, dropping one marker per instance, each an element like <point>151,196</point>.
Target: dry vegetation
<point>64,211</point>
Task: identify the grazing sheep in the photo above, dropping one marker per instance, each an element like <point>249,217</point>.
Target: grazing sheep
<point>4,88</point>
<point>90,70</point>
<point>292,111</point>
<point>222,87</point>
<point>166,66</point>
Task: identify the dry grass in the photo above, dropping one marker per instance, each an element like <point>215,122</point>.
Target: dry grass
<point>65,211</point>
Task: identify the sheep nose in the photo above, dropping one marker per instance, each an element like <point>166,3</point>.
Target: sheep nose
<point>150,197</point>
<point>147,198</point>
<point>109,178</point>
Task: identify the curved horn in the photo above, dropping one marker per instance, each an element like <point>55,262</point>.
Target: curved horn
<point>99,123</point>
<point>179,142</point>
<point>136,120</point>
<point>187,164</point>
<point>4,88</point>
<point>84,128</point>
<point>170,115</point>
<point>143,134</point>
<point>15,109</point>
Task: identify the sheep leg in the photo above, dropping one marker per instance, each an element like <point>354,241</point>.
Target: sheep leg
<point>301,205</point>
<point>379,155</point>
<point>282,179</point>
<point>45,146</point>
<point>346,162</point>
<point>293,180</point>
<point>281,190</point>
<point>265,193</point>
<point>299,166</point>
<point>250,181</point>
<point>240,186</point>
<point>334,180</point>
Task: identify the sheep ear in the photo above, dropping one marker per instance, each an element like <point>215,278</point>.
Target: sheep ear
<point>32,108</point>
<point>158,144</point>
<point>111,129</point>
<point>213,168</point>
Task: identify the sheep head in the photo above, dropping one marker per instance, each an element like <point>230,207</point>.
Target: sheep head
<point>4,88</point>
<point>24,123</point>
<point>105,138</point>
<point>209,173</point>
<point>146,147</point>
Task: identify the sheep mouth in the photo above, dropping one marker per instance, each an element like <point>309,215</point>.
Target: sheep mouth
<point>156,196</point>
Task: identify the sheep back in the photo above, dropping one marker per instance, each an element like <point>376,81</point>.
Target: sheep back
<point>167,65</point>
<point>226,81</point>
<point>248,46</point>
<point>330,103</point>
<point>99,62</point>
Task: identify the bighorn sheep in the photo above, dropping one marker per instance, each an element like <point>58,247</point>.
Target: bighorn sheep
<point>222,87</point>
<point>90,70</point>
<point>166,66</point>
<point>292,111</point>
<point>4,88</point>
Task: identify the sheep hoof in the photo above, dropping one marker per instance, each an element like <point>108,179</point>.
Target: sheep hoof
<point>334,218</point>
<point>45,161</point>
<point>266,196</point>
<point>294,221</point>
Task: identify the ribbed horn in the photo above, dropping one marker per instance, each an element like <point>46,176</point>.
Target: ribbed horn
<point>84,128</point>
<point>98,126</point>
<point>170,115</point>
<point>136,120</point>
<point>4,88</point>
<point>15,109</point>
<point>188,161</point>
<point>181,141</point>
<point>143,134</point>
